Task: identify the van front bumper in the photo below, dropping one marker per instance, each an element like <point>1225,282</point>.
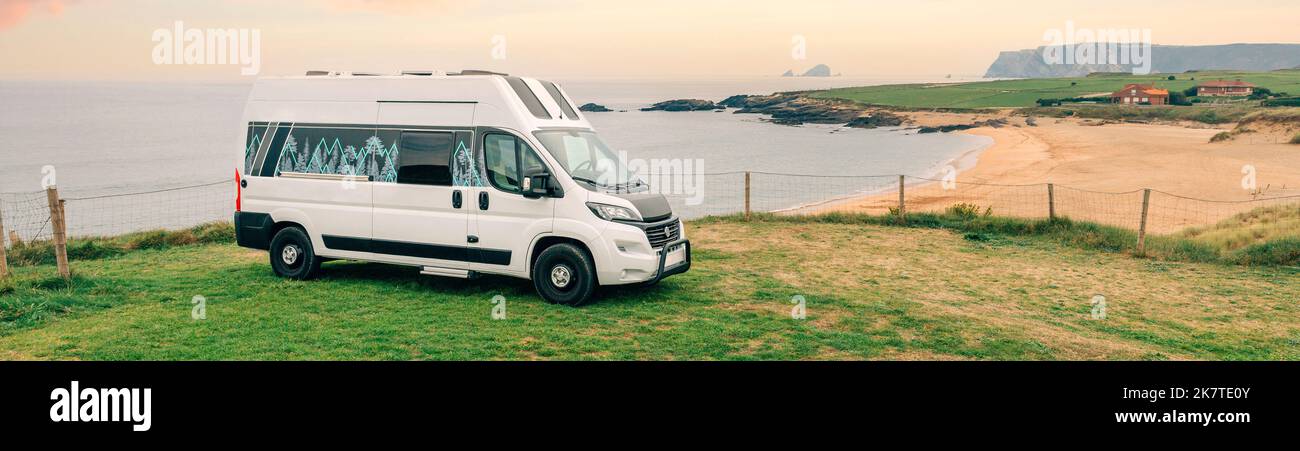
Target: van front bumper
<point>678,268</point>
<point>629,258</point>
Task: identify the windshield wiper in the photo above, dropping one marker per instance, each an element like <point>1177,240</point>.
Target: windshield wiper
<point>588,181</point>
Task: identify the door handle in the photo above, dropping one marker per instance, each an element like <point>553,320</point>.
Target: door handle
<point>482,200</point>
<point>456,199</point>
<point>472,238</point>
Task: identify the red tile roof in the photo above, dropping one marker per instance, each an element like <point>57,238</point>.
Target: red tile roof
<point>1226,84</point>
<point>1148,90</point>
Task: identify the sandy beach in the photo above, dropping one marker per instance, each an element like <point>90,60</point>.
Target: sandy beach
<point>1090,158</point>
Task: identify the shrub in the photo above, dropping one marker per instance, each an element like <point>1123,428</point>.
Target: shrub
<point>1284,251</point>
<point>1220,137</point>
<point>1178,98</point>
<point>1295,139</point>
<point>1288,101</point>
<point>964,211</point>
<point>148,240</point>
<point>213,233</point>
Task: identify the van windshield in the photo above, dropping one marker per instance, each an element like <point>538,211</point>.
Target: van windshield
<point>587,159</point>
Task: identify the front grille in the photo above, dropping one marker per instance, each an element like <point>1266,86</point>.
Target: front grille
<point>660,235</point>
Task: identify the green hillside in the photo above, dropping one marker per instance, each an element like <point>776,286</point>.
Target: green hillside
<point>1024,93</point>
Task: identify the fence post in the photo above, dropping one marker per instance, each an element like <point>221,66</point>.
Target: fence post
<point>902,205</point>
<point>746,195</point>
<point>1142,228</point>
<point>1051,202</point>
<point>60,231</point>
<point>4,263</point>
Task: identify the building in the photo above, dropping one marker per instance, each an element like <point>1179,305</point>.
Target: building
<point>1137,94</point>
<point>1225,88</point>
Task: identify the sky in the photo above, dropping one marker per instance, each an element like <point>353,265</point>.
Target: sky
<point>116,39</point>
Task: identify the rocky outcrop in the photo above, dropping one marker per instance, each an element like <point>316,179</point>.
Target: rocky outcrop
<point>993,123</point>
<point>594,108</point>
<point>797,109</point>
<point>683,105</point>
<point>877,119</point>
<point>794,109</point>
<point>820,70</point>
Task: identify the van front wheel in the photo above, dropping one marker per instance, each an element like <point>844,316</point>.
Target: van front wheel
<point>292,256</point>
<point>564,275</point>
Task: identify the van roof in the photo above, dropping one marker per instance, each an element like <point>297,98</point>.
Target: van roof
<point>499,100</point>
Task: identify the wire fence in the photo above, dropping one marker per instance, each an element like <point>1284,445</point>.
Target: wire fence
<point>26,216</point>
<point>733,192</point>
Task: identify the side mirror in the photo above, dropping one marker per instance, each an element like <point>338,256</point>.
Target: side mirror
<point>537,185</point>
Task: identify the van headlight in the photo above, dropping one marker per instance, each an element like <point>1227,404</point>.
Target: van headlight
<point>613,212</point>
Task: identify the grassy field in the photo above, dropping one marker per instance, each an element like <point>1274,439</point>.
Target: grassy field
<point>1024,93</point>
<point>872,292</point>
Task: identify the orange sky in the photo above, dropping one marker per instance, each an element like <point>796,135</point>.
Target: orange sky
<point>111,39</point>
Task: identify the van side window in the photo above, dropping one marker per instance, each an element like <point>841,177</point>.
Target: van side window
<point>425,159</point>
<point>504,156</point>
<point>340,151</point>
<point>256,134</point>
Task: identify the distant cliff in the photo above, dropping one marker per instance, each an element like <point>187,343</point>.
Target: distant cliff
<point>1029,63</point>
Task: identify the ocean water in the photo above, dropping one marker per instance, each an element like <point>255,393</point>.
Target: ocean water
<point>116,137</point>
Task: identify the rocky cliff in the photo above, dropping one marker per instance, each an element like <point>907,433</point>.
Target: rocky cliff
<point>1029,63</point>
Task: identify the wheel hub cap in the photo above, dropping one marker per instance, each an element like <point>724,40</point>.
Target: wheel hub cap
<point>561,276</point>
<point>290,254</point>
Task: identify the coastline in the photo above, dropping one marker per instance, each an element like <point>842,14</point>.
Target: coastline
<point>1098,157</point>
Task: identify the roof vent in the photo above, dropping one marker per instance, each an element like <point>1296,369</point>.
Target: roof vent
<point>480,72</point>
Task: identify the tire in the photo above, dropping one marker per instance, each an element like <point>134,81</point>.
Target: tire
<point>564,274</point>
<point>292,256</point>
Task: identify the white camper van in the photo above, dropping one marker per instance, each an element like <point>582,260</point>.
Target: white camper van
<point>456,174</point>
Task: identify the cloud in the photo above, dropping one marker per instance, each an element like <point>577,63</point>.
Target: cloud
<point>13,12</point>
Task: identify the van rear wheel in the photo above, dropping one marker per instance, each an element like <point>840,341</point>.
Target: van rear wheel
<point>292,256</point>
<point>564,274</point>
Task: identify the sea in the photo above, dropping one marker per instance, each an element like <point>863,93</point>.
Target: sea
<point>120,137</point>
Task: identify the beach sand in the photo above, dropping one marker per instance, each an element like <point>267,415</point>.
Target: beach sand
<point>1084,158</point>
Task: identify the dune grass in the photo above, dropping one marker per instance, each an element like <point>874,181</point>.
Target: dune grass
<point>1249,228</point>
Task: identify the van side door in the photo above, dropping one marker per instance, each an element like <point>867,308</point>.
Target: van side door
<point>419,217</point>
<point>504,221</point>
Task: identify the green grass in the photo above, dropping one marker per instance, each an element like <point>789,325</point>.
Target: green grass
<point>961,287</point>
<point>94,248</point>
<point>1024,93</point>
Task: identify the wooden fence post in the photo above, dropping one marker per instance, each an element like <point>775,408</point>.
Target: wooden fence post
<point>1142,227</point>
<point>1051,202</point>
<point>4,263</point>
<point>60,231</point>
<point>902,204</point>
<point>746,195</point>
